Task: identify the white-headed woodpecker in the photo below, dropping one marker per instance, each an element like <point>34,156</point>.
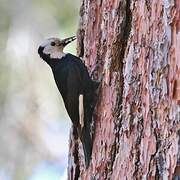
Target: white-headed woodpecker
<point>75,85</point>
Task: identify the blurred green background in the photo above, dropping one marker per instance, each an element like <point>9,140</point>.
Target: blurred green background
<point>34,126</point>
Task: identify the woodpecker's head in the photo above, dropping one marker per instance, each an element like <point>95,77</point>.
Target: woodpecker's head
<point>53,47</point>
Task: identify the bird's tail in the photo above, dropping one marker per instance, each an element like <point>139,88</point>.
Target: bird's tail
<point>87,143</point>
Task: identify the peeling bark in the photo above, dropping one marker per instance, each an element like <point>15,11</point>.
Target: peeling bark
<point>136,46</point>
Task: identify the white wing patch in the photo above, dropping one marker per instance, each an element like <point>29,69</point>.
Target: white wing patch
<point>81,111</point>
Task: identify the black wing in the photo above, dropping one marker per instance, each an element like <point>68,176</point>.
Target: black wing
<point>74,89</point>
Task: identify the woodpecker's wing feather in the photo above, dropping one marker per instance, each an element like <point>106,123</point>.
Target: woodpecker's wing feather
<point>72,94</point>
<point>81,110</point>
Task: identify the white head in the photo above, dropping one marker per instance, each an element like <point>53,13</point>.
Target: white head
<point>54,47</point>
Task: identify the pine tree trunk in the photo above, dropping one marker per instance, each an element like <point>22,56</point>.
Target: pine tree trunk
<point>136,46</point>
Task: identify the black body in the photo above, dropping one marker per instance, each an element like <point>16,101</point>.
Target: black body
<point>72,79</point>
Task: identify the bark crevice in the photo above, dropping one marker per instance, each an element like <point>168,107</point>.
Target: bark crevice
<point>74,171</point>
<point>176,174</point>
<point>138,168</point>
<point>118,52</point>
<point>121,37</point>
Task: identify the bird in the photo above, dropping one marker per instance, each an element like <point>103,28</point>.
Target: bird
<point>75,86</point>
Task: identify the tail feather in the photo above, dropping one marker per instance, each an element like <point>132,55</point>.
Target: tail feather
<point>87,144</point>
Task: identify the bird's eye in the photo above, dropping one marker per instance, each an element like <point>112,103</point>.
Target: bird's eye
<point>53,43</point>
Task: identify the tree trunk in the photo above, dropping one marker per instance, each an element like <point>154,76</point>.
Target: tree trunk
<point>136,46</point>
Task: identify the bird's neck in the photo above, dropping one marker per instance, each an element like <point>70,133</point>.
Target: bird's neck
<point>57,55</point>
<point>52,59</point>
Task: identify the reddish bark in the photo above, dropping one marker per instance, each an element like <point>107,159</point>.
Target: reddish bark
<point>136,45</point>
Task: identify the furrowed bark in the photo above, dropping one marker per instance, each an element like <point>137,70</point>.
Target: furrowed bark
<point>136,46</point>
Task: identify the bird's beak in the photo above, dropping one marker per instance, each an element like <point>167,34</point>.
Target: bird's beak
<point>66,41</point>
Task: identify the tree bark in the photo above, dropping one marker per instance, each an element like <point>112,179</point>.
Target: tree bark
<point>136,46</point>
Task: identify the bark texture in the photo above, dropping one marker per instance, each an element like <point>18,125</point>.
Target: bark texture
<point>136,46</point>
